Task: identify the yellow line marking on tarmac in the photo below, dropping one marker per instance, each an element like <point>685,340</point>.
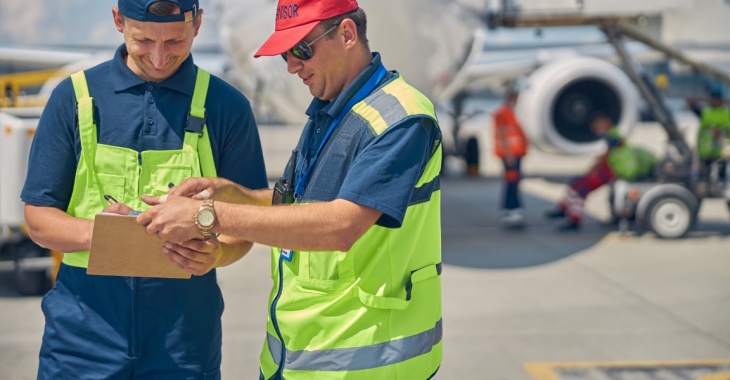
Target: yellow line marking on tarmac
<point>716,376</point>
<point>546,370</point>
<point>615,236</point>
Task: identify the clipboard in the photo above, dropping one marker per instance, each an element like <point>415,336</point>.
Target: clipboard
<point>121,247</point>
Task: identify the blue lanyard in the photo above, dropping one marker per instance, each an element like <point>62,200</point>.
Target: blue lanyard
<point>364,91</point>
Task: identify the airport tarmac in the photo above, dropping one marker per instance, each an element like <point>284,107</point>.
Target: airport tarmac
<point>517,305</point>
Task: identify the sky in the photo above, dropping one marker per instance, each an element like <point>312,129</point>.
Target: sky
<point>71,23</point>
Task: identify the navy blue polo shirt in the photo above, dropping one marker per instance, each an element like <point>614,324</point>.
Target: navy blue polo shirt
<point>140,115</point>
<point>380,171</point>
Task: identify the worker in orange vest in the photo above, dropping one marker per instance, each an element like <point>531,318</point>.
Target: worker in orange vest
<point>510,144</point>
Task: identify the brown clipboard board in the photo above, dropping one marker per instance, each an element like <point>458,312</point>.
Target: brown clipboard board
<point>121,247</point>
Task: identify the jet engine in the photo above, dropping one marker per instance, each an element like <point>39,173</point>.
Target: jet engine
<point>561,98</point>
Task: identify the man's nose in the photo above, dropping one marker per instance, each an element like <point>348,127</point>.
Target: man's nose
<point>293,64</point>
<point>159,56</point>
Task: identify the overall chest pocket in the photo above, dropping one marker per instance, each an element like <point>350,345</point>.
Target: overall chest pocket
<point>167,174</point>
<point>114,185</point>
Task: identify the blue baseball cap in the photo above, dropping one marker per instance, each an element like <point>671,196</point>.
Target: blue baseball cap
<point>137,10</point>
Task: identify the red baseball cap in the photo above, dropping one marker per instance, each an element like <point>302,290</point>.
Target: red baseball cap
<point>296,18</point>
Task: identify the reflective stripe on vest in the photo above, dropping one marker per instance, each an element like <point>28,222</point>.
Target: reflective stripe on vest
<point>125,174</point>
<point>358,358</point>
<point>375,309</point>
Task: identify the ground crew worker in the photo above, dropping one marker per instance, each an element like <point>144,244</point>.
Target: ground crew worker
<point>510,144</point>
<point>713,131</point>
<point>146,118</point>
<point>601,173</point>
<point>357,258</point>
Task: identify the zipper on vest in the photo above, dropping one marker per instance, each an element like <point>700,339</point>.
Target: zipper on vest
<point>282,356</point>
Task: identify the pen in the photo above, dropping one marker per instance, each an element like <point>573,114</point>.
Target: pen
<point>111,200</point>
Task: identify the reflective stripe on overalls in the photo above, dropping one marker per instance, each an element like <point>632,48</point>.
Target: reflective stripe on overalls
<point>124,173</point>
<point>373,312</point>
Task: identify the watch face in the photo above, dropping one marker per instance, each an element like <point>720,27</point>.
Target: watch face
<point>206,218</point>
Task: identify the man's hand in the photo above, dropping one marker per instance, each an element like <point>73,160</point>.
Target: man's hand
<point>172,218</point>
<point>206,187</point>
<point>117,208</point>
<point>197,257</point>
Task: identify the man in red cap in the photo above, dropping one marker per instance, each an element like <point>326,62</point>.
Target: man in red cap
<point>356,219</point>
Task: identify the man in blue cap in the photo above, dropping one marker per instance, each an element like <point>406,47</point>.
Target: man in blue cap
<point>130,126</point>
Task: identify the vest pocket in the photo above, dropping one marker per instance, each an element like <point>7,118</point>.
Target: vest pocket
<point>323,271</point>
<point>403,298</point>
<point>163,175</point>
<point>113,185</point>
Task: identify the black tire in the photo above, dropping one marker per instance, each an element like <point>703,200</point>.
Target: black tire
<point>670,216</point>
<point>30,282</point>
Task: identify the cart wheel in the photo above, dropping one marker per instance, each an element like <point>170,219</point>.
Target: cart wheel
<point>670,217</point>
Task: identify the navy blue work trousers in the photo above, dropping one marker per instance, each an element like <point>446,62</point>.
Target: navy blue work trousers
<point>511,192</point>
<point>107,327</point>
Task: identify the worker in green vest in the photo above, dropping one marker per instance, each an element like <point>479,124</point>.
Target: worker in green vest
<point>712,134</point>
<point>620,160</point>
<point>355,221</point>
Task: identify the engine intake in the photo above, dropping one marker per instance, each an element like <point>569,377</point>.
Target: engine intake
<point>562,97</point>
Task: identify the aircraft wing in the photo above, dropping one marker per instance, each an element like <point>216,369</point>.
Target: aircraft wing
<point>13,59</point>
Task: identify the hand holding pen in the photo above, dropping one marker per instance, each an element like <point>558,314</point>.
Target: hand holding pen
<point>119,208</point>
<point>115,207</point>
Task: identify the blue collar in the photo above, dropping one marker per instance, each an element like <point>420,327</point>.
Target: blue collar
<point>183,80</point>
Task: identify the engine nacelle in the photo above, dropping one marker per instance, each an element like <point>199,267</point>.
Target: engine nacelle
<point>562,97</point>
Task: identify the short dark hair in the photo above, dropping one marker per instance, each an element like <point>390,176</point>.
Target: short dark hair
<point>164,8</point>
<point>358,17</point>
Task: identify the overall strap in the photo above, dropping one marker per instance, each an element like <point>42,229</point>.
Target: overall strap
<point>87,127</point>
<point>196,129</point>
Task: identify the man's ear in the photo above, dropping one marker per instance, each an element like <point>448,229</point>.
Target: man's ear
<point>198,21</point>
<point>350,32</point>
<point>118,19</point>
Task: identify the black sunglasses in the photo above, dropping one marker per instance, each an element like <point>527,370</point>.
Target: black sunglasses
<point>303,50</point>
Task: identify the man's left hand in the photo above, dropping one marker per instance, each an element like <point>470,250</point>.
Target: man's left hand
<point>197,257</point>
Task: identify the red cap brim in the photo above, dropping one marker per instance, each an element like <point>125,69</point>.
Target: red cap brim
<point>283,40</point>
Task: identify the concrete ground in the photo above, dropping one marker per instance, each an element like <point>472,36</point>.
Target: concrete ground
<point>592,304</point>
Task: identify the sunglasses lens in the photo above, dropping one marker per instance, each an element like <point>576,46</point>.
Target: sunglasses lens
<point>301,51</point>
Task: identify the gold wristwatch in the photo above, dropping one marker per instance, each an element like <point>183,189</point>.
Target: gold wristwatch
<point>205,219</point>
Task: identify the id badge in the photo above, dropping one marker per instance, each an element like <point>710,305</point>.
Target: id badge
<point>287,254</point>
